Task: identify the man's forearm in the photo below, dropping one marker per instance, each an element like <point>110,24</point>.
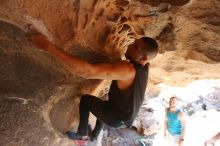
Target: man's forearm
<point>183,132</point>
<point>165,128</point>
<point>74,64</point>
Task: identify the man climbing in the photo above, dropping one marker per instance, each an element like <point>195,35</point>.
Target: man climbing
<point>127,90</point>
<point>174,124</point>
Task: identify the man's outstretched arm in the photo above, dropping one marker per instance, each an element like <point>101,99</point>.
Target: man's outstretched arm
<point>165,124</point>
<point>120,70</point>
<point>183,123</point>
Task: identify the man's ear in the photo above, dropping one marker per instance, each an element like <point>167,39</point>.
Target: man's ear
<point>147,64</point>
<point>144,57</point>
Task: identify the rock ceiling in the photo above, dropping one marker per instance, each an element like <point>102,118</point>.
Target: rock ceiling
<point>188,33</point>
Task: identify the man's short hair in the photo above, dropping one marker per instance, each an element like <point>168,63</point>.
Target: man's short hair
<point>174,97</point>
<point>151,43</point>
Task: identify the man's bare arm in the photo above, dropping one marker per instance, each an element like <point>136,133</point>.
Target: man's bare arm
<point>183,123</point>
<point>120,70</point>
<point>213,139</point>
<point>165,124</point>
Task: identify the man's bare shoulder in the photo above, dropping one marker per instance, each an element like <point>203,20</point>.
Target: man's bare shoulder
<point>181,114</point>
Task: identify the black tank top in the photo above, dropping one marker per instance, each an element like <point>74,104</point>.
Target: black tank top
<point>127,103</point>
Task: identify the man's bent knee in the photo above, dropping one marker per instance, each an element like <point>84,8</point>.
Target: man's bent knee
<point>84,100</point>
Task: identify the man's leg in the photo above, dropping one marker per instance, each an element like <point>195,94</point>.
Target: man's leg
<point>88,104</point>
<point>104,113</point>
<point>98,127</point>
<point>172,141</point>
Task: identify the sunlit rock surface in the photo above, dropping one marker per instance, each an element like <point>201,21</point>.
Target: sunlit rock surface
<point>39,98</point>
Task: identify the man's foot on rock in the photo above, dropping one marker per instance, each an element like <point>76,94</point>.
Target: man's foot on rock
<point>93,136</point>
<point>75,136</point>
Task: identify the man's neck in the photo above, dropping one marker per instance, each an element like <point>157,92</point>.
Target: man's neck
<point>172,109</point>
<point>136,62</point>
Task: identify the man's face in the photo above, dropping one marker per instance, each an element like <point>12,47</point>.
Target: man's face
<point>173,102</point>
<point>136,51</point>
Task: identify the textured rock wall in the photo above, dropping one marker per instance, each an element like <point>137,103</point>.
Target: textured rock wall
<point>44,96</point>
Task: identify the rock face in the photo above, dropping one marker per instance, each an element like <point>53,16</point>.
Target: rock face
<point>39,97</point>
